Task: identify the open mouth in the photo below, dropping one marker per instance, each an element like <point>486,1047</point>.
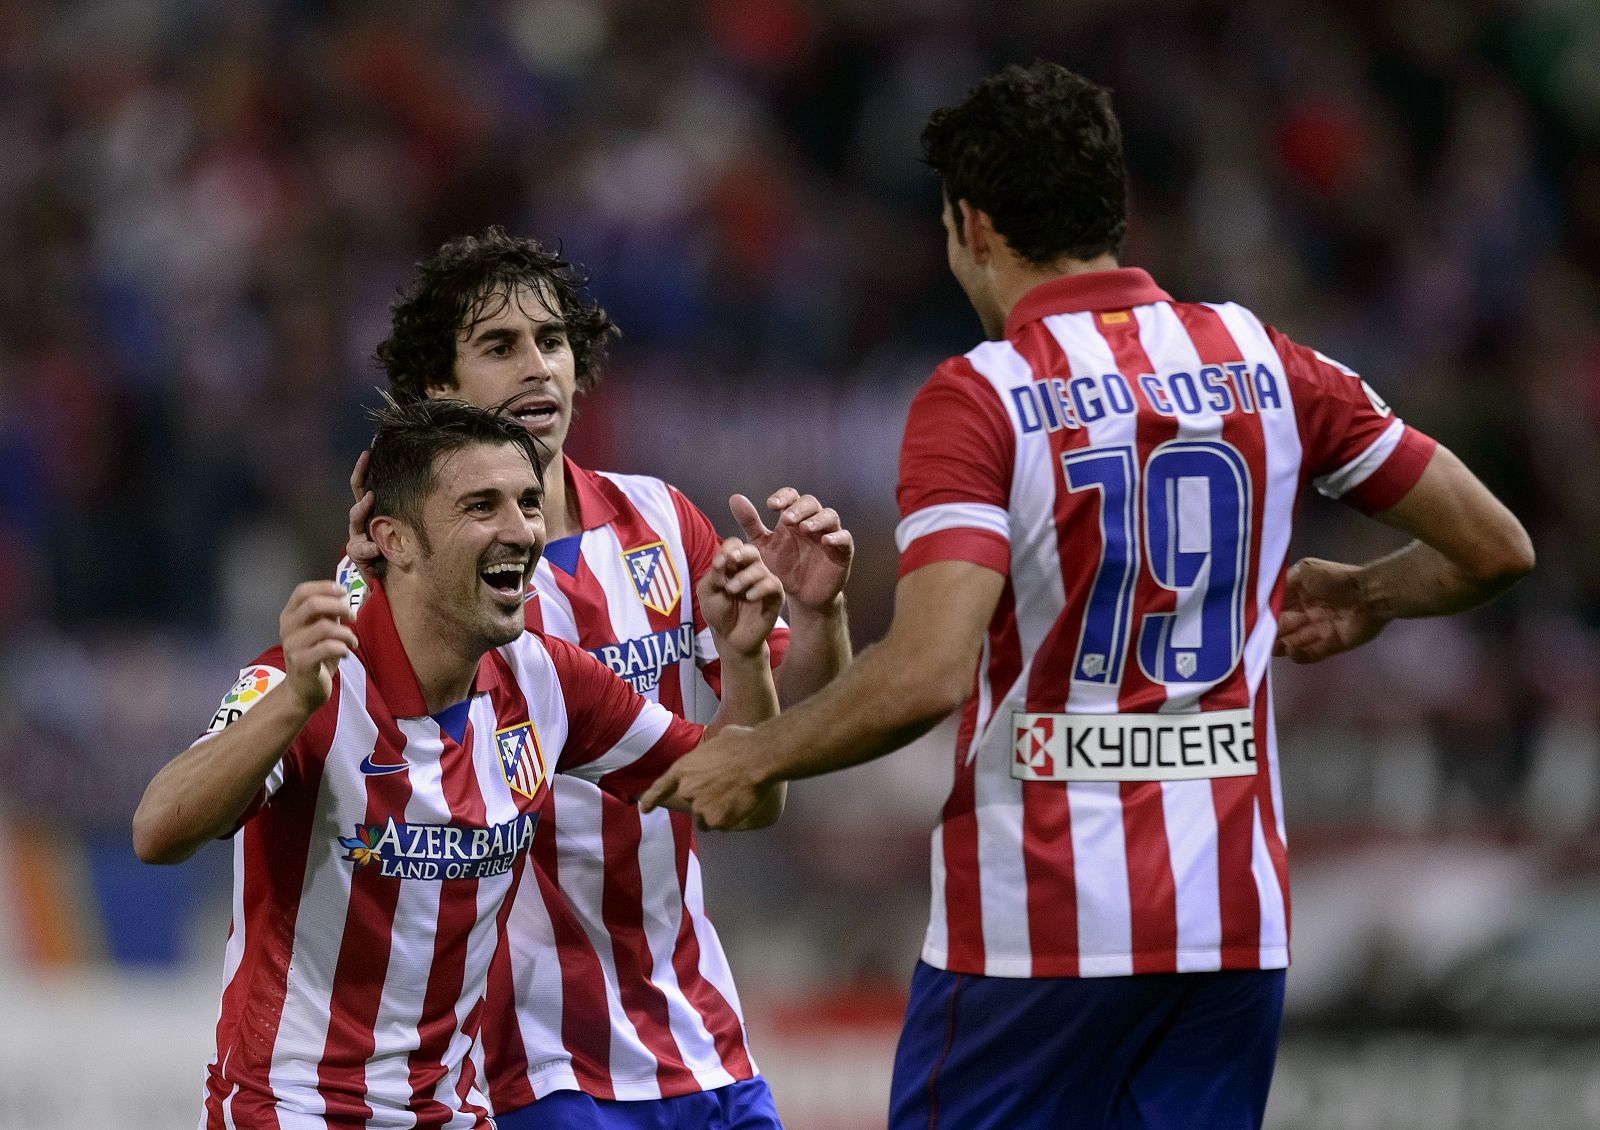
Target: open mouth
<point>508,578</point>
<point>535,416</point>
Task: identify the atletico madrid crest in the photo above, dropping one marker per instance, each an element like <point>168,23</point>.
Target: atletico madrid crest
<point>654,577</point>
<point>521,759</point>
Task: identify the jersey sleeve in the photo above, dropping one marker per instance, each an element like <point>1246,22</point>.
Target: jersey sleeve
<point>616,738</point>
<point>252,685</point>
<point>1354,447</point>
<point>955,473</point>
<point>700,544</point>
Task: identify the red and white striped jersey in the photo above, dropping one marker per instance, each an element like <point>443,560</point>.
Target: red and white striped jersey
<point>1131,464</point>
<point>373,875</point>
<point>619,930</point>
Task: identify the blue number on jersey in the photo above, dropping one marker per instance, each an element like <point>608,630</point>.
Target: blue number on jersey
<point>1196,509</point>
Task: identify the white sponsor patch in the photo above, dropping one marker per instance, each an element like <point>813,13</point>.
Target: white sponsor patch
<point>254,682</point>
<point>1132,747</point>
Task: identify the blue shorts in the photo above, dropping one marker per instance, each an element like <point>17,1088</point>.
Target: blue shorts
<point>1170,1051</point>
<point>746,1105</point>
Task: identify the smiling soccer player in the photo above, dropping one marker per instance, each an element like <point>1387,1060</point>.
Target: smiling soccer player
<point>384,778</point>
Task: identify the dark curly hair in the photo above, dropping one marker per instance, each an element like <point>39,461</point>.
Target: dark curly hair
<point>1039,150</point>
<point>470,278</point>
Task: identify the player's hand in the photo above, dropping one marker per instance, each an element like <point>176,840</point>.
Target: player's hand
<point>808,548</point>
<point>717,781</point>
<point>740,598</point>
<point>360,548</point>
<point>1324,611</point>
<point>315,630</point>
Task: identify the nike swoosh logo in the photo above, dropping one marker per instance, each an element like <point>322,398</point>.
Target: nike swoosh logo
<point>371,768</point>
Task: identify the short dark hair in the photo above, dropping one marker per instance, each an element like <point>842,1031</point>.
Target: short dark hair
<point>402,469</point>
<point>1039,149</point>
<point>457,287</point>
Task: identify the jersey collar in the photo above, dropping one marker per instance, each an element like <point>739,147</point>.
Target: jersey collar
<point>388,667</point>
<point>1097,290</point>
<point>594,508</point>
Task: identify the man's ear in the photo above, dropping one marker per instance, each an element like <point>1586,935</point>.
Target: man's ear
<point>396,541</point>
<point>443,386</point>
<point>979,232</point>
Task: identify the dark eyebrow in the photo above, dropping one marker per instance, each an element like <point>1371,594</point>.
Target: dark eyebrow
<point>496,336</point>
<point>489,494</point>
<point>484,494</point>
<point>554,325</point>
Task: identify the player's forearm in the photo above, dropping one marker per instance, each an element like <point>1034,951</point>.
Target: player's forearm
<point>819,648</point>
<point>1469,547</point>
<point>1418,580</point>
<point>882,701</point>
<point>200,794</point>
<point>749,696</point>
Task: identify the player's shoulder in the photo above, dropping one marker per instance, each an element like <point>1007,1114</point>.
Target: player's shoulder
<point>979,374</point>
<point>643,493</point>
<point>631,483</point>
<point>254,681</point>
<point>656,500</point>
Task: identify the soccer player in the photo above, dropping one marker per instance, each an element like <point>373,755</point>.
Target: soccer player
<point>613,1005</point>
<point>1097,505</point>
<point>385,778</point>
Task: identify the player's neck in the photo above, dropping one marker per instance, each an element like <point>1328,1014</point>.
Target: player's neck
<point>1014,276</point>
<point>444,665</point>
<point>560,503</point>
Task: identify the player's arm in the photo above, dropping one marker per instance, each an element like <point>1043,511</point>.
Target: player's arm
<point>740,598</point>
<point>1469,549</point>
<point>622,742</point>
<point>810,552</point>
<point>202,793</point>
<point>895,691</point>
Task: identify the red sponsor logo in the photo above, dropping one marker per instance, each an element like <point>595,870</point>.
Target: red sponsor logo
<point>1032,746</point>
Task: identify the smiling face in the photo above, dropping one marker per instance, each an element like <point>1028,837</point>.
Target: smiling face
<point>483,532</point>
<point>517,348</point>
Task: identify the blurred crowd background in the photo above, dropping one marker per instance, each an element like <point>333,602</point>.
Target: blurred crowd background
<point>206,209</point>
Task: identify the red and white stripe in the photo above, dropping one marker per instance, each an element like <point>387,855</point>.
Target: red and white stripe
<point>1102,878</point>
<point>352,998</point>
<point>614,981</point>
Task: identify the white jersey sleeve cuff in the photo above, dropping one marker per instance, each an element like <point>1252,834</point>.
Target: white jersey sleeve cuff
<point>639,740</point>
<point>951,516</point>
<point>1335,484</point>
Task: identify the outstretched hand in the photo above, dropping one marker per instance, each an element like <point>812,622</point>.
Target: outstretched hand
<point>717,782</point>
<point>739,598</point>
<point>1324,611</point>
<point>808,548</point>
<point>361,549</point>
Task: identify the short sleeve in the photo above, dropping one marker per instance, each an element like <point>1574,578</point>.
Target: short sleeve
<point>616,738</point>
<point>955,473</point>
<point>1355,448</point>
<point>254,681</point>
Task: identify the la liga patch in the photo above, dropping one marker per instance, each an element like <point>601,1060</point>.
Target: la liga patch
<point>254,682</point>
